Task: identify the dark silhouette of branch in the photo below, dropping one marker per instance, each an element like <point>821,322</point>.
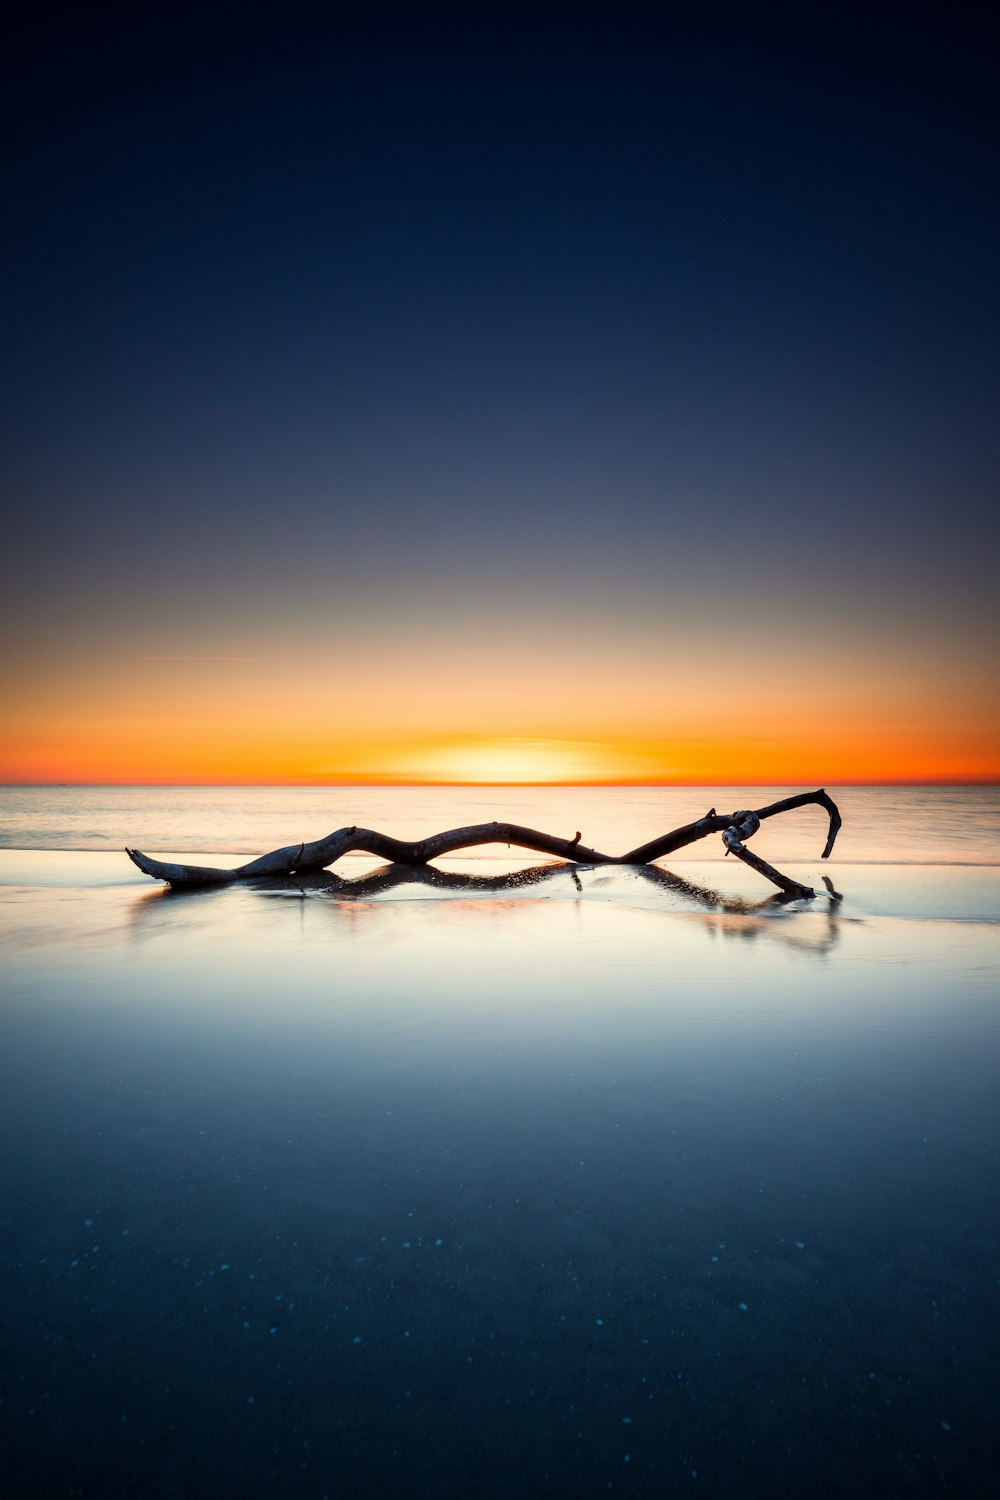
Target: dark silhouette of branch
<point>735,827</point>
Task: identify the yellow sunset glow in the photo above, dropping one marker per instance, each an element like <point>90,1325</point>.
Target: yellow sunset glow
<point>539,710</point>
<point>503,761</point>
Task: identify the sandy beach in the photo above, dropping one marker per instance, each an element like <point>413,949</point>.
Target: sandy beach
<point>565,1179</point>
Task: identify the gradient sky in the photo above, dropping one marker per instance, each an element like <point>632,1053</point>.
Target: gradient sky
<point>449,399</point>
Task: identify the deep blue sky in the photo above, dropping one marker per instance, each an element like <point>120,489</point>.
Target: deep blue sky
<point>449,322</point>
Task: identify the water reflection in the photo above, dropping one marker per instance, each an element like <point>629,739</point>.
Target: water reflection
<point>350,899</point>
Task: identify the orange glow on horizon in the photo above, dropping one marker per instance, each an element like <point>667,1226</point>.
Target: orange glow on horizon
<point>512,712</point>
<point>510,761</point>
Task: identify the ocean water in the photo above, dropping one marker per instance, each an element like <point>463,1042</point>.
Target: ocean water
<point>914,825</point>
<point>501,1178</point>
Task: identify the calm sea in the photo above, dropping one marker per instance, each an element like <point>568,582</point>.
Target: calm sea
<point>883,824</point>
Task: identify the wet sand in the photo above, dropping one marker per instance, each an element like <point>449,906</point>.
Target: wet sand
<point>506,1180</point>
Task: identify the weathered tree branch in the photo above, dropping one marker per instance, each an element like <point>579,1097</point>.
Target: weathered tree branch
<point>736,828</point>
<point>745,824</point>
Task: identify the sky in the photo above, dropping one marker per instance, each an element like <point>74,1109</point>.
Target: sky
<point>458,399</point>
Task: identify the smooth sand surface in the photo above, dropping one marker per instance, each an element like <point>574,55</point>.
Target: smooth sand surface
<point>498,1181</point>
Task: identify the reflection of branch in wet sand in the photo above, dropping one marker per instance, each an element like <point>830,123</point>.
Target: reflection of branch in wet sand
<point>390,877</point>
<point>733,916</point>
<point>746,928</point>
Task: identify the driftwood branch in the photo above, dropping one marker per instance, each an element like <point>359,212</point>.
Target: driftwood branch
<point>735,828</point>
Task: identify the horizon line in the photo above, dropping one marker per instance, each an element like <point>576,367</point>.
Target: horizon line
<point>610,784</point>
